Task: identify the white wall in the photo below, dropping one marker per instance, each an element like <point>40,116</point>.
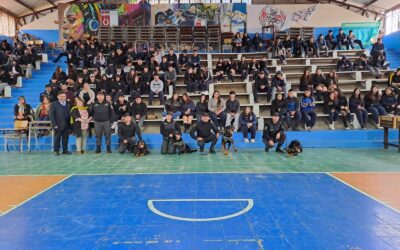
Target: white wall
<point>43,23</point>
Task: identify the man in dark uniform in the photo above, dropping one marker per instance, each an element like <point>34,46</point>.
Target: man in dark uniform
<point>127,132</point>
<point>59,114</point>
<point>167,130</point>
<point>204,132</point>
<point>102,113</point>
<point>274,133</point>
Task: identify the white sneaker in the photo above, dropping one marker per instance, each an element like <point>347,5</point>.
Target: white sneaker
<point>305,127</point>
<point>331,126</point>
<point>246,140</point>
<point>206,92</point>
<point>252,140</point>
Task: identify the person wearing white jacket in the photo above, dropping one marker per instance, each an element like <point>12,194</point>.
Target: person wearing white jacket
<point>156,88</point>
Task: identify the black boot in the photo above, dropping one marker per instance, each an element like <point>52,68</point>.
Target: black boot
<point>109,150</point>
<point>279,149</point>
<point>98,150</point>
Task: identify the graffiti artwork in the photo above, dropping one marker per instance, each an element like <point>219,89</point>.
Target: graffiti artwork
<point>270,15</point>
<point>302,16</point>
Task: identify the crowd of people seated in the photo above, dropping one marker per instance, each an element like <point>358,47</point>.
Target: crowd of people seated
<point>13,59</point>
<point>114,79</point>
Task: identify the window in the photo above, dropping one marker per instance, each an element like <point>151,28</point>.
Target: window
<point>7,24</point>
<point>392,21</point>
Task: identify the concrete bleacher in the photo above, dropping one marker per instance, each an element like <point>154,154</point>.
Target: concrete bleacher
<point>292,72</point>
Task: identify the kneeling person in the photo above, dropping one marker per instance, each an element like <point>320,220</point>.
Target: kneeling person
<point>127,132</point>
<point>204,132</point>
<point>274,133</point>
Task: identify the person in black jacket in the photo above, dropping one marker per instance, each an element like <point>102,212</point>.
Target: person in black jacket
<point>138,111</point>
<point>167,130</point>
<point>278,84</point>
<point>204,132</point>
<point>278,105</point>
<point>293,115</point>
<point>201,107</point>
<point>389,101</point>
<point>22,110</point>
<point>344,109</point>
<point>331,107</point>
<point>261,85</point>
<point>121,107</point>
<point>344,64</point>
<point>274,133</point>
<point>356,105</point>
<point>248,123</point>
<point>246,42</point>
<point>126,133</point>
<point>103,114</point>
<point>190,81</point>
<point>257,42</point>
<point>373,104</point>
<point>59,115</point>
<point>342,39</point>
<point>330,40</point>
<point>298,47</point>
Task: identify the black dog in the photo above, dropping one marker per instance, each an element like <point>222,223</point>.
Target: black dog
<point>227,139</point>
<point>141,149</point>
<point>294,148</point>
<point>180,146</point>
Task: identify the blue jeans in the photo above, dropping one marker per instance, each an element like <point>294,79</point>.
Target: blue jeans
<point>376,111</point>
<point>309,117</point>
<point>175,115</point>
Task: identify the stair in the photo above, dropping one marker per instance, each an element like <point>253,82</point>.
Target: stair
<point>393,56</point>
<point>31,89</point>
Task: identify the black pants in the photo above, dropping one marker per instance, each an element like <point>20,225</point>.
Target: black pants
<point>267,90</point>
<point>166,146</point>
<point>101,128</point>
<point>61,135</point>
<point>127,146</point>
<point>210,138</point>
<point>191,86</point>
<point>280,141</point>
<point>246,130</point>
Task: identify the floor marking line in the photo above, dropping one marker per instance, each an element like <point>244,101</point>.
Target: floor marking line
<point>180,173</point>
<point>36,195</point>
<point>150,204</point>
<point>364,193</point>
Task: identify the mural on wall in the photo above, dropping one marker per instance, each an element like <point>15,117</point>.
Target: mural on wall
<point>186,14</point>
<point>231,17</point>
<point>259,16</point>
<point>271,16</point>
<point>81,21</point>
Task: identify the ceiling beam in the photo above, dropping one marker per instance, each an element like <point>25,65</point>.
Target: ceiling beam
<point>51,2</point>
<point>8,12</point>
<point>393,8</point>
<point>370,3</point>
<point>27,6</point>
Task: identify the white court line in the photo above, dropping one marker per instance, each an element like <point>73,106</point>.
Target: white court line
<point>364,193</point>
<point>182,173</point>
<point>34,196</point>
<point>150,204</point>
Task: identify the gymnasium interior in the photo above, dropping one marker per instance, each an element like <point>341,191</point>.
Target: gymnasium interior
<point>300,98</point>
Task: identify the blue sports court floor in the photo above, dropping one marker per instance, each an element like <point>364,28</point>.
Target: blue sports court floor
<point>201,211</point>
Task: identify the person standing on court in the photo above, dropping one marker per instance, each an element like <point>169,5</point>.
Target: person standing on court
<point>167,130</point>
<point>59,115</point>
<point>204,132</point>
<point>102,114</point>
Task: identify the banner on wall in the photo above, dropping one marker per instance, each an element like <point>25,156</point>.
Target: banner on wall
<point>231,17</point>
<point>299,17</point>
<point>367,32</point>
<point>109,18</point>
<point>81,21</point>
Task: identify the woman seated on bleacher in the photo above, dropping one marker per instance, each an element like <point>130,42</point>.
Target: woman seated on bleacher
<point>42,110</point>
<point>187,109</point>
<point>248,123</point>
<point>237,43</point>
<point>174,106</point>
<point>246,42</point>
<point>190,81</point>
<point>216,107</point>
<point>344,109</point>
<point>288,46</point>
<point>59,74</point>
<point>278,50</point>
<point>201,107</point>
<point>14,71</point>
<point>220,70</point>
<point>331,107</point>
<point>394,81</point>
<point>305,81</point>
<point>389,100</point>
<point>22,110</point>
<point>332,77</point>
<point>278,105</point>
<point>307,105</point>
<point>373,104</point>
<point>356,105</point>
<point>230,69</point>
